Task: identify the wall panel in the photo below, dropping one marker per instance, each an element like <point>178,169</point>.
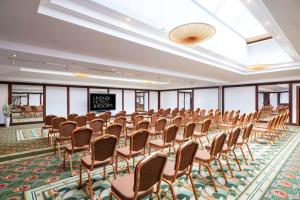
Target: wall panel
<point>129,101</point>
<point>56,100</point>
<point>78,100</point>
<point>206,98</point>
<point>168,99</point>
<point>242,98</point>
<point>294,102</point>
<point>153,101</point>
<point>3,100</point>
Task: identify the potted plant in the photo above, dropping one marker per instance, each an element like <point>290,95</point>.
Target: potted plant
<point>6,109</point>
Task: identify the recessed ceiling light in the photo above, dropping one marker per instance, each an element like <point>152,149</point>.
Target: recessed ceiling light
<point>128,19</point>
<point>278,37</point>
<point>14,55</point>
<point>267,23</point>
<point>248,1</point>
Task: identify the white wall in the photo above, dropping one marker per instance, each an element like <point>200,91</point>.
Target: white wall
<point>118,94</point>
<point>146,101</point>
<point>242,98</point>
<point>187,102</point>
<point>3,100</point>
<point>294,101</point>
<point>273,99</point>
<point>181,100</point>
<point>284,97</point>
<point>78,100</point>
<point>129,101</point>
<point>153,104</point>
<point>168,99</point>
<point>56,101</point>
<point>34,99</point>
<point>260,100</point>
<point>206,98</point>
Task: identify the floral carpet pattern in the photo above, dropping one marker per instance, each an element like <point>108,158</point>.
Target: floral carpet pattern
<point>42,177</point>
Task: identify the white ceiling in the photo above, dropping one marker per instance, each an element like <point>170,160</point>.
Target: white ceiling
<point>38,39</point>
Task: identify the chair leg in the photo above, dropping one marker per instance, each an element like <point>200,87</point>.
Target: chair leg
<point>201,143</point>
<point>64,163</point>
<point>193,186</point>
<point>228,164</point>
<point>221,166</point>
<point>110,196</point>
<point>80,176</point>
<point>90,184</point>
<point>58,149</point>
<point>71,165</point>
<point>149,149</point>
<point>249,151</point>
<point>244,155</point>
<point>104,171</point>
<point>171,189</point>
<point>237,161</point>
<point>211,177</point>
<point>115,172</point>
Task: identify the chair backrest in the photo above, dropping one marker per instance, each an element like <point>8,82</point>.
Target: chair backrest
<point>177,121</point>
<point>235,120</point>
<point>218,117</point>
<point>137,119</point>
<point>114,129</point>
<point>230,115</point>
<point>160,111</point>
<point>81,137</point>
<point>225,116</point>
<point>120,114</point>
<point>48,119</point>
<point>80,120</point>
<point>168,111</point>
<point>121,120</point>
<point>174,112</point>
<point>104,148</point>
<point>138,140</point>
<point>217,145</point>
<point>108,113</point>
<point>154,119</point>
<point>104,117</point>
<point>170,133</point>
<point>71,117</point>
<point>143,125</point>
<point>185,156</point>
<point>66,129</point>
<point>97,125</point>
<point>233,138</point>
<point>202,113</point>
<point>56,121</point>
<point>247,132</point>
<point>160,124</point>
<point>148,172</point>
<point>133,115</point>
<point>189,130</point>
<point>181,111</point>
<point>150,112</point>
<point>27,108</point>
<point>248,117</point>
<point>242,118</point>
<point>90,116</point>
<point>206,126</point>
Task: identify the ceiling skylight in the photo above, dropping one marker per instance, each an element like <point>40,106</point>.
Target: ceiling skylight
<point>236,15</point>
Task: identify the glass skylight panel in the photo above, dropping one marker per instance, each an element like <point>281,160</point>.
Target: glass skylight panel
<point>236,15</point>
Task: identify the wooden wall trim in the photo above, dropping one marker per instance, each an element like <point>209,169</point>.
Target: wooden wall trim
<point>9,100</point>
<point>223,100</point>
<point>158,100</point>
<point>297,105</point>
<point>122,99</point>
<point>178,99</point>
<point>44,101</point>
<point>256,97</point>
<point>88,99</point>
<point>291,102</point>
<point>193,99</point>
<point>68,100</point>
<point>134,100</point>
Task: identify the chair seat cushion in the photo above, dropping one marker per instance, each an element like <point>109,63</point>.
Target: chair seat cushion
<point>87,162</point>
<point>202,156</point>
<point>76,149</point>
<point>198,134</point>
<point>158,143</point>
<point>258,129</point>
<point>180,138</point>
<point>240,141</point>
<point>46,126</point>
<point>169,171</point>
<point>53,130</point>
<point>61,139</point>
<point>125,152</point>
<point>123,188</point>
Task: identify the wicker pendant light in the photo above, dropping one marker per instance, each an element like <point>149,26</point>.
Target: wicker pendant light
<point>191,33</point>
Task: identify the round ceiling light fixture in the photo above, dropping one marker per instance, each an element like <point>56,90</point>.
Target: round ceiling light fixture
<point>258,67</point>
<point>192,33</point>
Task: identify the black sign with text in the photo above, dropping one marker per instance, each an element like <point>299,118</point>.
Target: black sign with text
<point>102,102</point>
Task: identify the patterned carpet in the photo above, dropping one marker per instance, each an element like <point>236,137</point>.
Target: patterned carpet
<point>41,177</point>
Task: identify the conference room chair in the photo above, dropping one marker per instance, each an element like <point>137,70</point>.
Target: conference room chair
<point>114,129</point>
<point>202,114</point>
<point>71,117</point>
<point>242,120</point>
<point>144,124</point>
<point>203,131</point>
<point>159,127</point>
<point>122,121</point>
<point>205,157</point>
<point>216,121</point>
<point>145,180</point>
<point>132,117</point>
<point>267,131</point>
<point>97,125</point>
<point>133,126</point>
<point>120,114</point>
<point>108,113</point>
<point>103,152</point>
<point>167,141</point>
<point>173,114</point>
<point>104,117</point>
<point>80,121</point>
<point>65,132</point>
<point>47,123</point>
<point>182,166</point>
<point>244,141</point>
<point>137,147</point>
<point>89,117</point>
<point>230,116</point>
<point>154,119</point>
<point>160,111</point>
<point>177,121</point>
<point>229,147</point>
<point>189,129</point>
<point>230,125</point>
<point>56,121</point>
<point>149,113</point>
<point>81,142</point>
